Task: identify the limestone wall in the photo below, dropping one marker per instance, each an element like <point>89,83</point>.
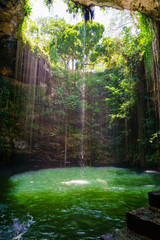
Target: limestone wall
<point>149,7</point>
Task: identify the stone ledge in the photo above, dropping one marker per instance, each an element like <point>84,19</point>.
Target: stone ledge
<point>144,221</point>
<point>124,234</point>
<point>154,198</point>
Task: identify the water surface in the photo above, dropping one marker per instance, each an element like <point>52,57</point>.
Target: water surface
<point>75,203</point>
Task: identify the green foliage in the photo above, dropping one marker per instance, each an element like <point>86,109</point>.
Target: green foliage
<point>73,7</point>
<point>52,134</point>
<point>107,52</point>
<point>145,26</point>
<point>73,102</point>
<point>154,137</point>
<point>26,9</point>
<point>41,33</point>
<point>68,94</point>
<point>114,92</point>
<point>120,93</point>
<point>48,2</point>
<point>68,44</point>
<point>51,27</point>
<point>61,42</point>
<point>12,105</point>
<point>30,35</point>
<point>93,32</point>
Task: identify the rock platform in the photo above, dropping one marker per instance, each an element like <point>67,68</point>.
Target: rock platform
<point>142,223</point>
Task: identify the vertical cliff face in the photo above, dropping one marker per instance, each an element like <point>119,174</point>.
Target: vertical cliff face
<point>11,15</point>
<point>156,79</point>
<point>41,117</point>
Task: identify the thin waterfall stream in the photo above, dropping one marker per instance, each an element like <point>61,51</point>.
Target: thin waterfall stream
<point>83,119</point>
<point>83,103</point>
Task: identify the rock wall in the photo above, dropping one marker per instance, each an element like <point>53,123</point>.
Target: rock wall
<point>41,117</point>
<point>37,123</point>
<point>148,7</point>
<point>11,15</point>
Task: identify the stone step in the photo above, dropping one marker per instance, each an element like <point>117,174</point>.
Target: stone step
<point>124,234</point>
<point>145,221</point>
<point>154,198</point>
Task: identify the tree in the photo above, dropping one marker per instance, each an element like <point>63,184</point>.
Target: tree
<point>68,45</point>
<point>107,53</point>
<point>90,35</point>
<point>51,29</point>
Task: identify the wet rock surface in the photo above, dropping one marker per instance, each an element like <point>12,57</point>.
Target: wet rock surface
<point>142,223</point>
<point>154,198</point>
<point>148,214</point>
<point>145,221</point>
<point>8,47</point>
<point>11,15</point>
<point>124,234</point>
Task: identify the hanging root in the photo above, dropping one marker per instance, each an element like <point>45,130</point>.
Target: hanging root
<point>88,13</point>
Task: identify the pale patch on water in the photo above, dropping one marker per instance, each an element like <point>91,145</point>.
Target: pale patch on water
<point>82,182</point>
<point>117,188</point>
<point>76,182</point>
<point>151,171</point>
<point>149,185</point>
<point>101,181</point>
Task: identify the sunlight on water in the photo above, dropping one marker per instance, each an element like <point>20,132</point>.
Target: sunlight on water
<point>76,203</point>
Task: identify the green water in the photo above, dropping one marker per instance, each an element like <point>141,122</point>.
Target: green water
<point>44,204</point>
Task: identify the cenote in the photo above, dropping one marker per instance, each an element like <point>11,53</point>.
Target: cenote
<point>71,203</point>
<point>77,96</point>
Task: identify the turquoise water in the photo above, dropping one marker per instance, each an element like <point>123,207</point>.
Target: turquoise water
<point>72,204</point>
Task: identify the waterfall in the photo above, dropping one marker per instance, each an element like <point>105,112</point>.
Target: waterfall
<point>83,119</point>
<point>32,93</point>
<point>31,72</point>
<point>83,103</point>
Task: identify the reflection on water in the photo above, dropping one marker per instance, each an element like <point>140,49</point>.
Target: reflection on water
<point>76,203</point>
